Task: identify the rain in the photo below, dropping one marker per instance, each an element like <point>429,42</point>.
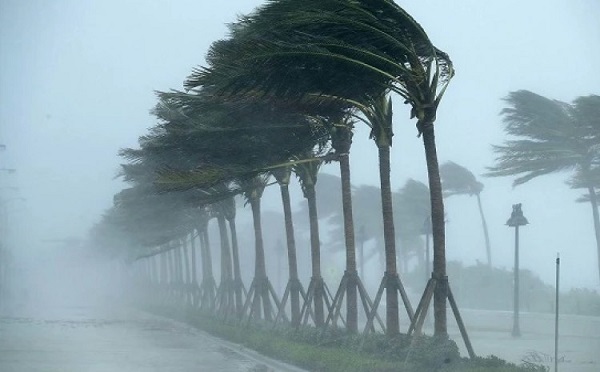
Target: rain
<point>147,148</point>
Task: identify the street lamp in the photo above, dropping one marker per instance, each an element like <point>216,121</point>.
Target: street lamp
<point>516,219</point>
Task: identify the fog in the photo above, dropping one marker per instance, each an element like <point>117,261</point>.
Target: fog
<point>78,79</point>
<point>77,82</point>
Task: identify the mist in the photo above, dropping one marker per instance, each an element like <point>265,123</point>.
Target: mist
<point>78,81</point>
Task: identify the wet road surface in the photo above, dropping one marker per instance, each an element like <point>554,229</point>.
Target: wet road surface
<point>490,333</point>
<point>83,339</point>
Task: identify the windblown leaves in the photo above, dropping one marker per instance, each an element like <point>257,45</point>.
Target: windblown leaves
<point>457,180</point>
<point>291,49</point>
<point>551,136</point>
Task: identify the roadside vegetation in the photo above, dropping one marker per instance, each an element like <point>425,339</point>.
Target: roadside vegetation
<point>336,350</point>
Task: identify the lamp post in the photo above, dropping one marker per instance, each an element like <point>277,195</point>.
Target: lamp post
<point>516,219</point>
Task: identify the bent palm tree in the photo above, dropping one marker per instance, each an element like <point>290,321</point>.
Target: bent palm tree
<point>552,136</point>
<point>229,208</point>
<point>458,180</point>
<point>226,289</point>
<point>298,52</point>
<point>411,208</point>
<point>261,288</point>
<point>294,287</point>
<point>341,141</point>
<point>307,174</point>
<point>378,115</point>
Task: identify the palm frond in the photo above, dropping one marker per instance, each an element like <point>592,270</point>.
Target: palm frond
<point>293,48</point>
<point>458,180</point>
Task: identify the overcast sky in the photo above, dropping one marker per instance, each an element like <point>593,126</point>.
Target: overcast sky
<point>77,80</point>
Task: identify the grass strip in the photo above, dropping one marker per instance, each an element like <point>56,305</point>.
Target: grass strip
<point>334,350</point>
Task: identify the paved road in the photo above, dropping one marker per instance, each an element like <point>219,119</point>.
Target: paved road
<point>84,339</point>
<point>62,325</point>
<point>64,316</point>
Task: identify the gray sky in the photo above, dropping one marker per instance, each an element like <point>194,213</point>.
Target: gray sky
<point>77,80</point>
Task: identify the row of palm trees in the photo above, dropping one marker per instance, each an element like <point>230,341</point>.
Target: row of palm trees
<point>286,89</point>
<point>280,96</point>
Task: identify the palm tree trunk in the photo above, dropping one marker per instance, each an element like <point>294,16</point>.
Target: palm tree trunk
<point>291,251</point>
<point>188,274</point>
<point>171,276</point>
<point>207,256</point>
<point>488,248</point>
<point>194,260</point>
<point>351,299</point>
<point>439,235</point>
<point>152,267</point>
<point>180,268</point>
<point>194,280</point>
<point>315,251</point>
<point>226,268</point>
<point>260,272</point>
<point>178,276</point>
<point>389,236</point>
<point>594,202</point>
<point>163,270</point>
<point>237,274</point>
<point>207,268</point>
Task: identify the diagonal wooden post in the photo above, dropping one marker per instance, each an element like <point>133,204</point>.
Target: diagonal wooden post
<point>292,285</point>
<point>393,281</point>
<point>423,307</point>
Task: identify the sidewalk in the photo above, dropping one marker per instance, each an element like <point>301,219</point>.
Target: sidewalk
<point>490,333</point>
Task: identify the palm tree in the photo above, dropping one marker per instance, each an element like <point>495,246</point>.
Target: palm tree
<point>367,217</point>
<point>226,288</point>
<point>219,141</point>
<point>294,287</point>
<point>330,201</point>
<point>379,116</point>
<point>341,141</point>
<point>307,174</point>
<point>458,180</point>
<point>207,286</point>
<point>552,136</point>
<point>149,220</point>
<point>261,289</point>
<point>412,207</point>
<point>195,288</point>
<point>341,133</point>
<point>349,51</point>
<point>229,210</point>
